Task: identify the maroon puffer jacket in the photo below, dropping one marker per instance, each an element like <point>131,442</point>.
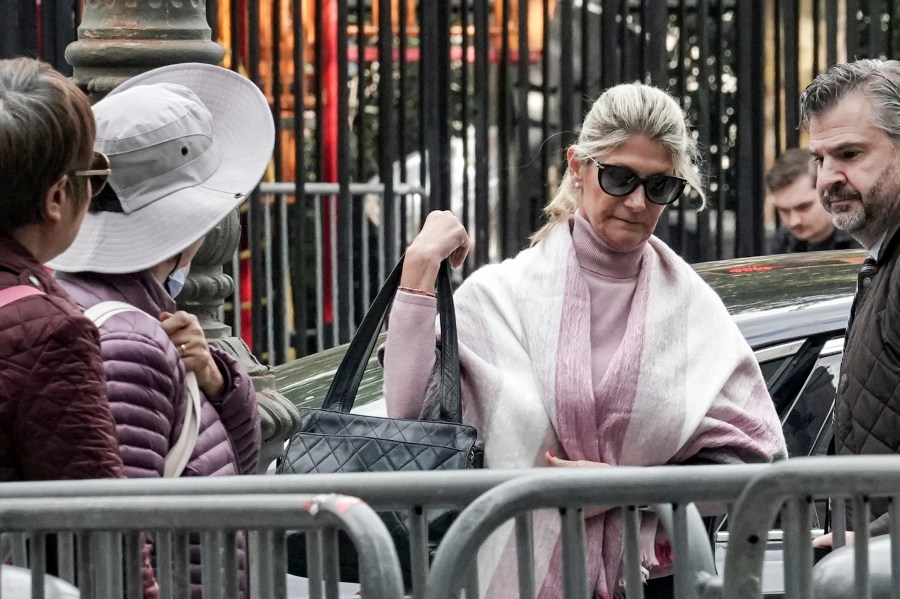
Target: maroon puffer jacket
<point>146,383</point>
<point>54,417</point>
<point>55,421</point>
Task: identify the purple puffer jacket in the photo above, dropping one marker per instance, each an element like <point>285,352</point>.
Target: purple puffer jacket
<point>146,388</point>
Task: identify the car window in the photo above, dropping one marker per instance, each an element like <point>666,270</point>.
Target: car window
<point>806,421</point>
<point>807,418</point>
<point>805,413</point>
<point>771,359</point>
<point>770,367</point>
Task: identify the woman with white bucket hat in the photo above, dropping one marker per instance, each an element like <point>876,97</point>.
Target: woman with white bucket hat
<point>187,144</point>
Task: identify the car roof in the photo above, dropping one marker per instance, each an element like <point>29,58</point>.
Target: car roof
<point>788,296</point>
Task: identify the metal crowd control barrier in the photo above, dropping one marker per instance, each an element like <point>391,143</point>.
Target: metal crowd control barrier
<point>790,488</point>
<point>16,582</point>
<point>413,492</point>
<point>108,535</point>
<point>569,491</point>
<point>833,577</point>
<point>418,492</point>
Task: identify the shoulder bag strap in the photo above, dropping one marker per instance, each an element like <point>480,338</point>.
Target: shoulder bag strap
<point>100,313</point>
<point>450,392</point>
<point>180,453</point>
<point>349,374</point>
<point>17,292</point>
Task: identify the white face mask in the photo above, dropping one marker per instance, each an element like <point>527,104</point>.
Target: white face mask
<point>175,281</point>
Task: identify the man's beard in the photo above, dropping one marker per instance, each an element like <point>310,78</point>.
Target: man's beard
<point>874,212</point>
<point>848,218</point>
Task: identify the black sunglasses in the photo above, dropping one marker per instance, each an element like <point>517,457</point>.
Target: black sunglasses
<point>97,174</point>
<point>619,181</point>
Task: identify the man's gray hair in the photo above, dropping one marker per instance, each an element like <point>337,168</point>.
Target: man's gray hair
<point>877,80</point>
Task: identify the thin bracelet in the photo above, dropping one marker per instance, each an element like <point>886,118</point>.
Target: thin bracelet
<point>415,291</point>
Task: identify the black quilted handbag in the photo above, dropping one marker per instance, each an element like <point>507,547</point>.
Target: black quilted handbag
<point>331,439</point>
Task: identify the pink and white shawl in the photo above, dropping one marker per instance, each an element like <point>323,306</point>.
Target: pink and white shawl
<point>683,384</point>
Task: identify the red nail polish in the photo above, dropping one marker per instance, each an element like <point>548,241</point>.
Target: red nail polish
<point>550,453</point>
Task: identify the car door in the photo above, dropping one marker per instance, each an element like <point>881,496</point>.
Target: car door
<point>802,376</point>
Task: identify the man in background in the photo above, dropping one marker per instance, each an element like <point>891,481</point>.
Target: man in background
<point>805,224</point>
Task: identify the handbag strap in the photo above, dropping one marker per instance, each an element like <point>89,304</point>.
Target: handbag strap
<point>17,292</point>
<point>180,453</point>
<point>450,392</point>
<point>342,392</point>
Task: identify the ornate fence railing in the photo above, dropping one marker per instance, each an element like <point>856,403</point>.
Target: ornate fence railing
<point>471,104</point>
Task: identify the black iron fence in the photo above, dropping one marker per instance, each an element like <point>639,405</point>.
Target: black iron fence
<point>390,108</point>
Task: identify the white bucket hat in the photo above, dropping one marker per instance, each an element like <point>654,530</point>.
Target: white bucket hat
<point>186,144</point>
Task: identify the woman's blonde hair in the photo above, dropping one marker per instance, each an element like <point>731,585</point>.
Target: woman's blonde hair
<point>622,112</point>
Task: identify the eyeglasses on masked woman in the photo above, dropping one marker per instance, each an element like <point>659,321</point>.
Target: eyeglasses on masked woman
<point>619,181</point>
<point>97,174</point>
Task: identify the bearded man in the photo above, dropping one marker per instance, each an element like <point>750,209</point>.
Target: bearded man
<point>852,112</point>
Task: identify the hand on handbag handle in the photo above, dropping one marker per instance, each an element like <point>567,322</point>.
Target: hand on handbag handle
<point>345,384</point>
<point>442,236</point>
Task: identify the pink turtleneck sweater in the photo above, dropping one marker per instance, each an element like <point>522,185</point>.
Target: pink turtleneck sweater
<point>611,276</point>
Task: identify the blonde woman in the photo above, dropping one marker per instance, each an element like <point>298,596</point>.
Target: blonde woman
<point>593,341</point>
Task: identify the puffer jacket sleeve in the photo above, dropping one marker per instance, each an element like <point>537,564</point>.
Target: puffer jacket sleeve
<point>66,430</point>
<point>238,410</point>
<point>146,393</point>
